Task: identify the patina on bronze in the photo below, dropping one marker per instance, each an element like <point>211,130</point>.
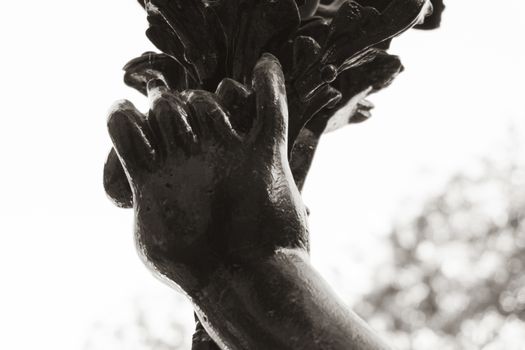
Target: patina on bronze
<point>239,97</point>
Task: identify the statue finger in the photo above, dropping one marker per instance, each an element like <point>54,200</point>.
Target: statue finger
<point>169,116</point>
<point>131,138</point>
<point>271,124</point>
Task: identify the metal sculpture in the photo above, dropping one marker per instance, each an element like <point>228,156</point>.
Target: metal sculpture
<point>240,96</point>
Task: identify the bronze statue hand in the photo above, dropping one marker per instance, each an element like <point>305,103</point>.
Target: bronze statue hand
<point>205,195</point>
<point>217,213</point>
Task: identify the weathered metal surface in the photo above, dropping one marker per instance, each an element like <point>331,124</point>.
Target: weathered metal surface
<point>218,215</point>
<point>214,169</point>
<point>224,38</point>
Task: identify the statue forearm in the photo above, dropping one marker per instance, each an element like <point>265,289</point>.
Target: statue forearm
<point>279,303</point>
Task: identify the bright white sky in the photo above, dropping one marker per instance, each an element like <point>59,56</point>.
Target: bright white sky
<point>67,259</point>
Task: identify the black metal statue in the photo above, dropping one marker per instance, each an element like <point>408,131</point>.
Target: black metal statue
<point>239,97</point>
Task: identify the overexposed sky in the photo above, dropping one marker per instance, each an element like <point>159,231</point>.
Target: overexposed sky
<point>67,259</point>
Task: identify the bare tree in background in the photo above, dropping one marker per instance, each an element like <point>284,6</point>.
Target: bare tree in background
<point>456,278</point>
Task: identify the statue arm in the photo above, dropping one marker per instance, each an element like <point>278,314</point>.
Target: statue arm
<point>280,302</point>
<point>235,237</point>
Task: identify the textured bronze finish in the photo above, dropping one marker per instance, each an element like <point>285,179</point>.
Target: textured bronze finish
<point>240,96</point>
